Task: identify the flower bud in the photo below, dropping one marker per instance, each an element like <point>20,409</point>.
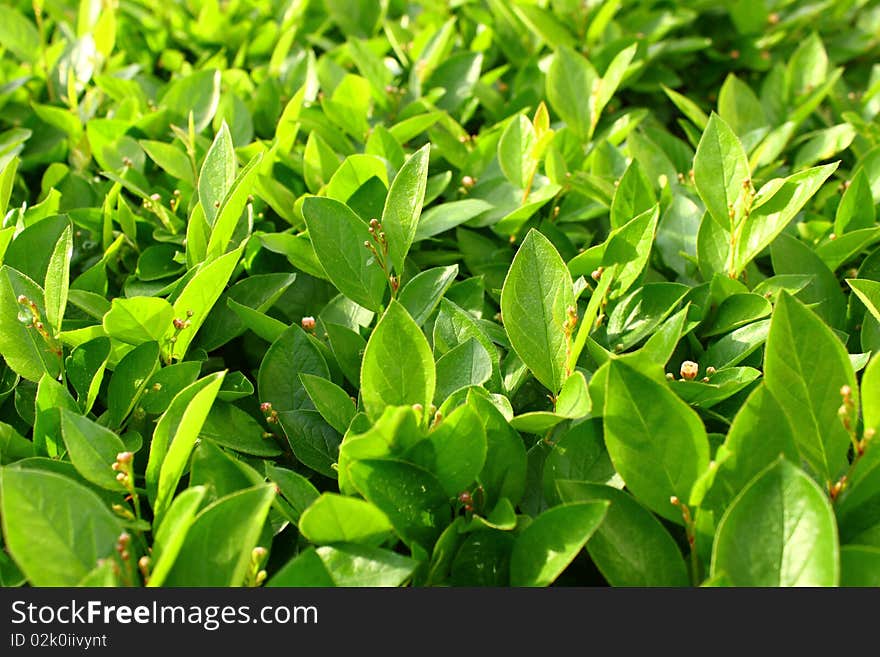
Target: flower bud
<point>308,323</point>
<point>689,370</point>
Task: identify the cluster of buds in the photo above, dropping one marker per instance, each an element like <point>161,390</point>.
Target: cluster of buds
<point>466,500</point>
<point>180,324</point>
<point>122,545</point>
<point>270,413</point>
<point>571,319</point>
<point>175,200</point>
<point>256,573</point>
<point>29,315</point>
<point>122,467</point>
<point>847,408</point>
<point>377,239</point>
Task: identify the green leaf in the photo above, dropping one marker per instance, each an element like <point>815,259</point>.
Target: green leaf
<point>231,427</point>
<point>55,529</point>
<point>129,380</point>
<point>336,518</point>
<point>661,448</point>
<point>411,497</point>
<point>314,442</point>
<point>504,472</point>
<point>740,108</point>
<point>403,205</point>
<point>198,297</point>
<point>856,208</point>
<point>628,249</point>
<point>868,292</point>
<point>365,566</point>
<point>631,547</point>
<point>170,158</point>
<point>439,218</point>
<point>332,402</point>
<point>773,211</point>
<point>298,491</point>
<point>805,366</point>
<point>51,397</point>
<point>823,293</point>
<point>217,173</point>
<point>22,347</point>
<point>546,546</point>
<point>720,169</point>
<point>174,438</point>
<point>19,35</point>
<point>92,449</point>
<point>571,80</point>
<point>58,280</point>
<point>398,368</point>
<point>171,535</point>
<point>339,236</point>
<point>515,151</point>
<point>632,196</point>
<point>139,319</point>
<point>780,531</point>
<point>217,548</point>
<point>455,450</point>
<point>466,364</point>
<point>305,570</point>
<point>423,292</point>
<point>231,207</point>
<point>535,302</point>
<point>760,432</point>
<point>578,454</point>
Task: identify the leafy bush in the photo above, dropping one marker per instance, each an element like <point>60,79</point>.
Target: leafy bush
<point>385,293</point>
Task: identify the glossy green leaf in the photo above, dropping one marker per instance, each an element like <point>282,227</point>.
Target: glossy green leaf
<point>631,547</point>
<point>217,173</point>
<point>55,529</point>
<point>535,299</point>
<point>411,497</point>
<point>339,237</point>
<point>403,206</point>
<point>805,367</point>
<point>398,368</point>
<point>217,548</point>
<point>780,531</point>
<point>174,438</point>
<point>552,541</point>
<point>661,448</point>
<point>720,169</point>
<point>92,449</point>
<point>139,319</point>
<point>339,519</point>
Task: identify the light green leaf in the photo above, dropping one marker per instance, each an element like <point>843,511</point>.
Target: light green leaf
<point>545,547</point>
<point>805,365</point>
<point>398,368</point>
<point>535,301</point>
<point>336,518</point>
<point>217,548</point>
<point>217,173</point>
<point>339,236</point>
<point>659,448</point>
<point>55,529</point>
<point>720,169</point>
<point>403,205</point>
<point>780,531</point>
